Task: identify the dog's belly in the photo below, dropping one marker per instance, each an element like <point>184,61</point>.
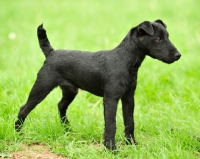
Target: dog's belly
<point>92,86</point>
<point>96,91</point>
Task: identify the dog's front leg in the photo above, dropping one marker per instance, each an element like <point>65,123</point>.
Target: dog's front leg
<point>128,115</point>
<point>110,109</point>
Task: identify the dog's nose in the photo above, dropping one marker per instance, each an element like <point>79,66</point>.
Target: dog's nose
<point>177,55</point>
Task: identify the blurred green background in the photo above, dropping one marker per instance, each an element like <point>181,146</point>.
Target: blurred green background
<point>167,96</point>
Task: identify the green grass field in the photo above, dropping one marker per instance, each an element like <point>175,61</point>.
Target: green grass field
<point>167,107</point>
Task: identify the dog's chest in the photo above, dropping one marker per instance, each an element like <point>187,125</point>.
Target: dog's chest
<point>133,71</point>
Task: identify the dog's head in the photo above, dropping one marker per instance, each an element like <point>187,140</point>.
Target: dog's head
<point>153,38</point>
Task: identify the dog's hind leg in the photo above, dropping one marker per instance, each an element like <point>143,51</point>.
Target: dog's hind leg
<point>68,94</point>
<point>44,83</point>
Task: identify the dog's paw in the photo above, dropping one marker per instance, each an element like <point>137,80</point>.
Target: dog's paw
<point>110,145</point>
<point>18,126</point>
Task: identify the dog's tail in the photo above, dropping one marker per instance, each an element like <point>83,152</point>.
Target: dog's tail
<point>44,41</point>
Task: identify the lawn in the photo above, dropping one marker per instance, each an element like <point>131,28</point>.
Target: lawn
<point>167,99</point>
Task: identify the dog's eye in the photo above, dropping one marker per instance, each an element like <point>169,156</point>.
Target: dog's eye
<point>158,39</point>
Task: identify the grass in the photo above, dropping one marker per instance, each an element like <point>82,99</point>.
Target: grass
<point>167,97</point>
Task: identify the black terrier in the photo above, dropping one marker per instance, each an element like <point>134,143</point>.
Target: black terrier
<point>111,74</point>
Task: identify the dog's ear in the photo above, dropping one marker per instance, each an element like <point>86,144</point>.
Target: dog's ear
<point>145,28</point>
<point>161,22</point>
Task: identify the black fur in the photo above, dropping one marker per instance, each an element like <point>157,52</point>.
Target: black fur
<point>111,74</point>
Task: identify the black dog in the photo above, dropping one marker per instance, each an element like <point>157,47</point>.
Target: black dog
<point>110,74</point>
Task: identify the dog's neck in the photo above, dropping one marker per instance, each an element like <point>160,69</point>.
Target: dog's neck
<point>133,53</point>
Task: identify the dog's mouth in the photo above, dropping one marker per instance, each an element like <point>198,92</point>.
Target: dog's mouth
<point>170,59</point>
